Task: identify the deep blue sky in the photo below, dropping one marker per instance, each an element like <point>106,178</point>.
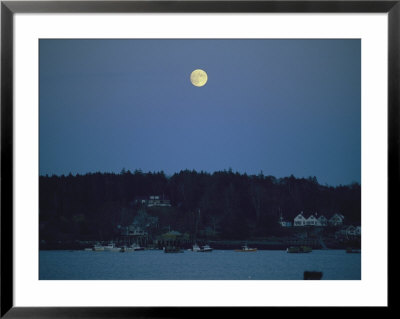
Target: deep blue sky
<point>278,106</point>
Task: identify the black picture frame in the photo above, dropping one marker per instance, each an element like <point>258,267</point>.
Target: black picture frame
<point>9,8</point>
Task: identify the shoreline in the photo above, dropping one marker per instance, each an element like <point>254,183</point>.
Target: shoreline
<point>218,244</point>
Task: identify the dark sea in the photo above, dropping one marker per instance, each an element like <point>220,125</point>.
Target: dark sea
<point>189,265</point>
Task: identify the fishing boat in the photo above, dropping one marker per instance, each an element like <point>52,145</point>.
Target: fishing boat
<point>136,247</point>
<point>246,249</point>
<point>206,249</point>
<point>98,247</point>
<point>196,248</point>
<point>133,247</point>
<point>299,249</point>
<point>203,249</point>
<point>111,247</point>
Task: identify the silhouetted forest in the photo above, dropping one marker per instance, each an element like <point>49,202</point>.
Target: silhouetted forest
<point>225,204</point>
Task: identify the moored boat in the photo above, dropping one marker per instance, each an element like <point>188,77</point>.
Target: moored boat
<point>111,247</point>
<point>133,247</point>
<point>98,247</point>
<point>206,249</point>
<point>203,249</point>
<point>196,248</point>
<point>245,248</point>
<point>136,247</point>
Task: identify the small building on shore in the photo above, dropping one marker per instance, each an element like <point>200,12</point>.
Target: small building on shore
<point>153,201</point>
<point>173,238</point>
<point>284,223</point>
<point>133,234</point>
<point>322,221</point>
<point>311,220</point>
<point>299,220</point>
<point>336,220</point>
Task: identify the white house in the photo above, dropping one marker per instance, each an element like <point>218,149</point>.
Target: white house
<point>311,220</point>
<point>336,220</point>
<point>133,230</point>
<point>153,200</point>
<point>299,220</point>
<point>157,201</point>
<point>322,221</point>
<point>315,220</point>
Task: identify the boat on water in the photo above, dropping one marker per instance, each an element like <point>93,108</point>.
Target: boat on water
<point>111,247</point>
<point>98,247</point>
<point>350,250</point>
<point>196,248</point>
<point>245,248</point>
<point>299,249</point>
<point>136,247</point>
<point>133,247</point>
<point>172,249</point>
<point>206,249</point>
<point>203,249</point>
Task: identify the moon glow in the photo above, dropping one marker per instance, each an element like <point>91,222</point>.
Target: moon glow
<point>198,77</point>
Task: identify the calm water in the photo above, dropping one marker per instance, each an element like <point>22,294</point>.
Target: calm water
<point>218,265</point>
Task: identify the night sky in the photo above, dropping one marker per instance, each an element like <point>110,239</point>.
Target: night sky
<point>278,106</point>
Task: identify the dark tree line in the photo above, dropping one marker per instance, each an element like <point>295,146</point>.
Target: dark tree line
<point>229,205</point>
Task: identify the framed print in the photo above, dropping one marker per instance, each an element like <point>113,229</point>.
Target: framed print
<point>164,155</point>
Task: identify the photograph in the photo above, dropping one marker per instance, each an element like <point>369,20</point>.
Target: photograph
<point>199,159</point>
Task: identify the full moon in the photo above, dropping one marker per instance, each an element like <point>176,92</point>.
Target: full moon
<point>198,77</point>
